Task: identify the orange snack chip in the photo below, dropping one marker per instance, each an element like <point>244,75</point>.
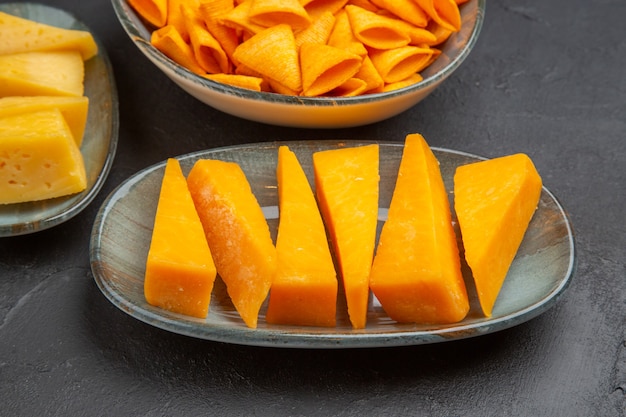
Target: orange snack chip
<point>207,50</point>
<point>350,88</point>
<point>274,12</point>
<point>263,39</point>
<point>365,4</point>
<point>318,32</point>
<point>370,75</point>
<point>316,8</point>
<point>169,41</point>
<point>154,11</point>
<point>175,16</point>
<point>408,9</point>
<point>444,12</point>
<point>413,79</point>
<point>243,81</point>
<point>272,53</point>
<point>325,68</point>
<point>239,18</point>
<point>375,30</point>
<point>395,65</point>
<point>343,37</point>
<point>211,12</point>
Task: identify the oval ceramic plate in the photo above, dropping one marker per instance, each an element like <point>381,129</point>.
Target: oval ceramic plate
<point>122,231</point>
<point>99,142</point>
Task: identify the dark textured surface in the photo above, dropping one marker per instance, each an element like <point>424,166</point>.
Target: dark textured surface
<point>546,78</point>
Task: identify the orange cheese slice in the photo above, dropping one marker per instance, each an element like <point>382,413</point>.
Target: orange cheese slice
<point>237,232</point>
<point>179,269</point>
<point>346,182</point>
<point>304,291</point>
<point>494,202</point>
<point>416,274</point>
<point>39,158</point>
<point>19,35</point>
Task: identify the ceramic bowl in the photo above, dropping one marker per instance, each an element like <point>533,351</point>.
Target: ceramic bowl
<point>315,112</point>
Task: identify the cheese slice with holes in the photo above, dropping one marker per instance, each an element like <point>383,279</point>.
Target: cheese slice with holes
<point>39,158</point>
<point>73,109</point>
<point>23,35</point>
<point>42,74</point>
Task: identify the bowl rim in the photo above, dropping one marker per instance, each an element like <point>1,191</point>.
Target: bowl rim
<point>139,34</point>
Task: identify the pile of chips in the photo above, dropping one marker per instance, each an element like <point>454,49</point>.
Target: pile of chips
<point>303,47</point>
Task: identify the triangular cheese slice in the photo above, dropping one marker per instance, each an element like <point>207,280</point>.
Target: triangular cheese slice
<point>346,181</point>
<point>237,232</point>
<point>22,35</point>
<point>73,109</point>
<point>179,270</point>
<point>416,274</point>
<point>304,291</point>
<point>39,158</point>
<point>42,74</point>
<point>494,202</point>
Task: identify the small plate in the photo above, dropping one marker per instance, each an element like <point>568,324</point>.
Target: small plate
<point>122,231</point>
<point>99,142</point>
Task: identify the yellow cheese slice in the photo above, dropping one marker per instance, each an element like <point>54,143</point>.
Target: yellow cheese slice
<point>41,74</point>
<point>73,109</point>
<point>39,158</point>
<point>22,35</point>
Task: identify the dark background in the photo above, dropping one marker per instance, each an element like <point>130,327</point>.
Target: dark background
<point>546,78</point>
